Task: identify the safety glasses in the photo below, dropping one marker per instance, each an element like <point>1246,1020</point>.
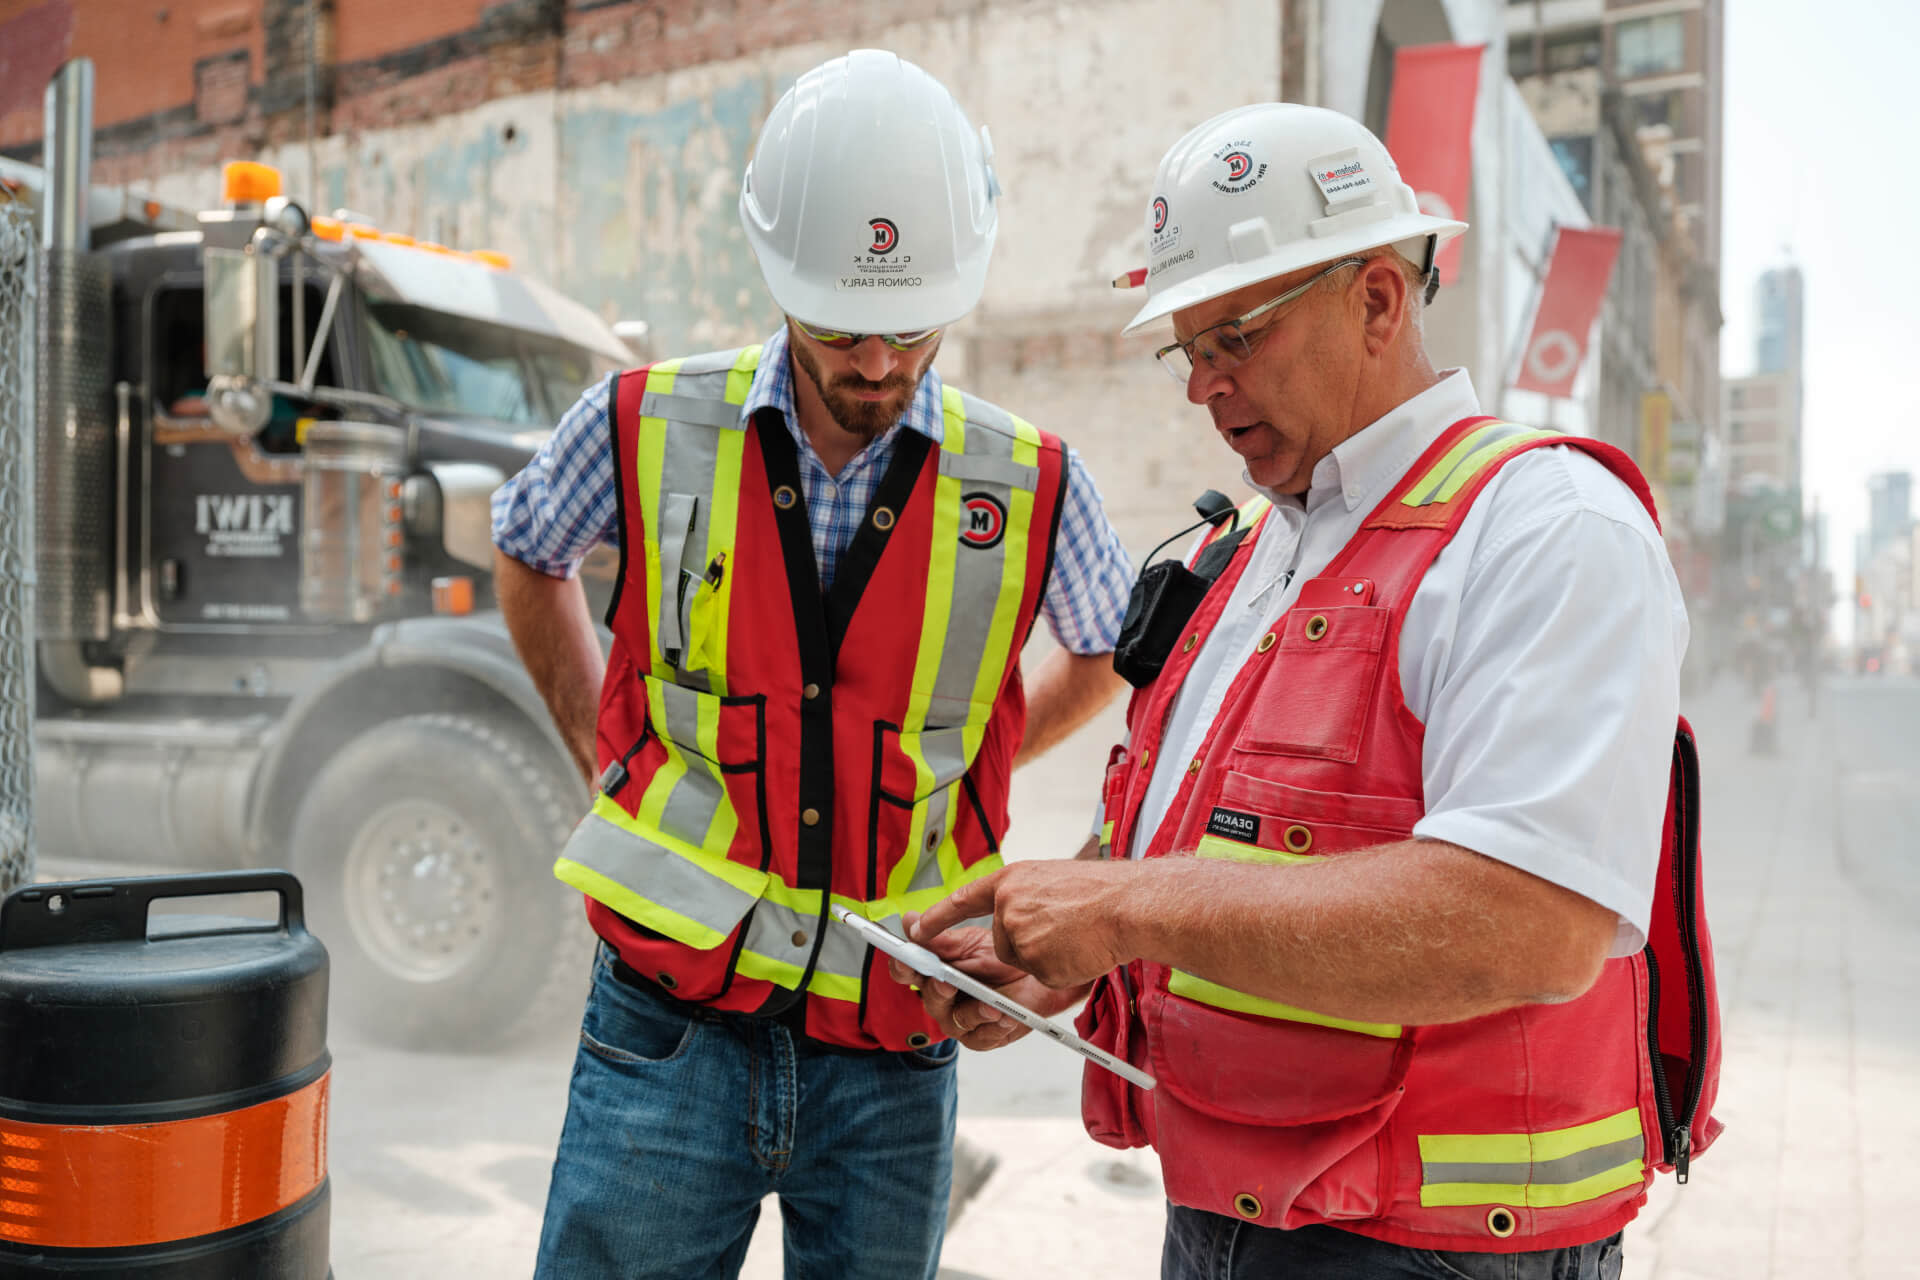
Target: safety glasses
<point>1226,345</point>
<point>840,341</point>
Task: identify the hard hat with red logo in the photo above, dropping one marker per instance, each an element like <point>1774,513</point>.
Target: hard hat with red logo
<point>1266,190</point>
<point>869,200</point>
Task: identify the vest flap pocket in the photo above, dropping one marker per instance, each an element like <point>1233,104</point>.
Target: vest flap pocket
<point>915,766</point>
<point>1265,815</point>
<point>1315,697</point>
<point>1240,1058</point>
<point>728,731</point>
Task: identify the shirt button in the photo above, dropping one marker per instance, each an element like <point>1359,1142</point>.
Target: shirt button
<point>831,490</point>
<point>812,816</point>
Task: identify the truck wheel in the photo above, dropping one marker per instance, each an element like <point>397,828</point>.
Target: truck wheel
<point>426,847</point>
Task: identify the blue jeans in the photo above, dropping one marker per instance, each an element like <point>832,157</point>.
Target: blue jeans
<point>680,1121</point>
<point>1210,1246</point>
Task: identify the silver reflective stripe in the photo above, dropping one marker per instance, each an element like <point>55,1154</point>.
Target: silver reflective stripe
<point>657,874</point>
<point>695,409</point>
<point>774,927</point>
<point>1499,433</point>
<point>700,792</point>
<point>677,512</point>
<point>1567,1169</point>
<point>1000,471</point>
<point>977,571</point>
<point>720,362</point>
<point>927,875</point>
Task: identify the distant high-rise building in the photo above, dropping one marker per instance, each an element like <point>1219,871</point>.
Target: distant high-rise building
<point>1889,510</point>
<point>1778,301</point>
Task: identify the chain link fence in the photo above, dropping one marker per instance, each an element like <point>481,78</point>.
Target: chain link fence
<point>19,277</point>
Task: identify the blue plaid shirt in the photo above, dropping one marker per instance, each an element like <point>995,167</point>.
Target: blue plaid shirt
<point>562,504</point>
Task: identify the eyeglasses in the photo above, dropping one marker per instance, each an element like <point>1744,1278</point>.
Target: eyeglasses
<point>840,341</point>
<point>1225,346</point>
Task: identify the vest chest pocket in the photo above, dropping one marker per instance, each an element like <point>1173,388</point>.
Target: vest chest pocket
<point>922,795</point>
<point>1315,697</point>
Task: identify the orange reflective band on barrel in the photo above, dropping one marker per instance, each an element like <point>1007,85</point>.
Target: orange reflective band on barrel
<point>102,1186</point>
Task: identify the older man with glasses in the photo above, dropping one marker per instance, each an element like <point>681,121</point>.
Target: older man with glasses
<point>1385,842</point>
<point>830,563</point>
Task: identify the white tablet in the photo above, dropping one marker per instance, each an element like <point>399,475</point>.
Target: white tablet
<point>923,961</point>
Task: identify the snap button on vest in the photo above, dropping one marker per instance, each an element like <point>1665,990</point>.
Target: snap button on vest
<point>1501,1222</point>
<point>1194,767</point>
<point>785,497</point>
<point>1297,838</point>
<point>1247,1205</point>
<point>810,816</point>
<point>799,937</point>
<point>918,1040</point>
<point>1316,626</point>
<point>1192,640</point>
<point>811,692</point>
<point>883,518</point>
<point>1266,643</point>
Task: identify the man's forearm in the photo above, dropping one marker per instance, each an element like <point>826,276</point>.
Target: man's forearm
<point>1417,932</point>
<point>1066,692</point>
<point>553,632</point>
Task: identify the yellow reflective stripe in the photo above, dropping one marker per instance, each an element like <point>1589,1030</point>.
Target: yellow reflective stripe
<point>1234,851</point>
<point>1558,1165</point>
<point>1451,459</point>
<point>834,986</point>
<point>941,569</point>
<point>1494,451</point>
<point>649,459</point>
<point>1527,1148</point>
<point>749,880</point>
<point>1536,1196</point>
<point>1106,832</point>
<point>895,904</point>
<point>1190,987</point>
<point>740,377</point>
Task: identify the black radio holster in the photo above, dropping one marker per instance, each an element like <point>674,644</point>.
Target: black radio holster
<point>1167,592</point>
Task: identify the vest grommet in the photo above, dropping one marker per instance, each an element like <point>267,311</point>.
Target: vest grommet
<point>1194,767</point>
<point>784,497</point>
<point>883,518</point>
<point>1316,626</point>
<point>1192,640</point>
<point>665,980</point>
<point>918,1040</point>
<point>1266,643</point>
<point>933,840</point>
<point>810,816</point>
<point>1297,839</point>
<point>1501,1222</point>
<point>1247,1205</point>
<point>1146,757</point>
<point>799,937</point>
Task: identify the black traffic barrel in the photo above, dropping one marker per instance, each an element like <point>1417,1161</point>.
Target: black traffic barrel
<point>163,1090</point>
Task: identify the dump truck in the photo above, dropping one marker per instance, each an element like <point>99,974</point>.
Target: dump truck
<point>265,633</point>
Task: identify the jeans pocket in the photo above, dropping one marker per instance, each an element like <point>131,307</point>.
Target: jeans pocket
<point>933,1057</point>
<point>626,1026</point>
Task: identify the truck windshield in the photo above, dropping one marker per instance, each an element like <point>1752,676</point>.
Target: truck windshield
<point>441,363</point>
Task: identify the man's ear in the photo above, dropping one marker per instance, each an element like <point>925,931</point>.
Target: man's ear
<point>1387,299</point>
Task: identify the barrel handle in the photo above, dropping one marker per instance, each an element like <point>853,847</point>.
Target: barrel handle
<point>116,910</point>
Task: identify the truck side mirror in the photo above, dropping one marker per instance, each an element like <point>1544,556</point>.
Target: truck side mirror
<point>240,257</point>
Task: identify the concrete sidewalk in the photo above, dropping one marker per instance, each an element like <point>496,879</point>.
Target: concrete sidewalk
<point>1819,991</point>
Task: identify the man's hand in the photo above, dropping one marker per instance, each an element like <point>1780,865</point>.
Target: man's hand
<point>978,1026</point>
<point>1062,922</point>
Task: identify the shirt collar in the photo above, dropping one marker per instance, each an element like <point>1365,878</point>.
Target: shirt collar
<point>1366,464</point>
<point>772,388</point>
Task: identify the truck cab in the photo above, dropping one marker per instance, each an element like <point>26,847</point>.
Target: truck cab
<point>266,634</point>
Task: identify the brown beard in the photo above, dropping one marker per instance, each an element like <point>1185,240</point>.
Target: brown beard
<point>865,420</point>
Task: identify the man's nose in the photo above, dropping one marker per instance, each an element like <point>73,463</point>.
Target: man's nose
<point>1205,382</point>
<point>873,359</point>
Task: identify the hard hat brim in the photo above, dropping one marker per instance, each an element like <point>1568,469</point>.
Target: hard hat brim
<point>1295,256</point>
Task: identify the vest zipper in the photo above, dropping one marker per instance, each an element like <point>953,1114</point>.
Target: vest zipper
<point>1686,902</point>
<point>1672,1136</point>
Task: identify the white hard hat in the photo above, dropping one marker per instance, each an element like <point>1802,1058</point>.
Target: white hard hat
<point>1265,190</point>
<point>870,200</point>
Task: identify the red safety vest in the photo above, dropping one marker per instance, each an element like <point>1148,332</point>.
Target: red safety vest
<point>769,751</point>
<point>1533,1128</point>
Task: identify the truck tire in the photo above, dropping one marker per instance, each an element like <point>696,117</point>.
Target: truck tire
<point>426,846</point>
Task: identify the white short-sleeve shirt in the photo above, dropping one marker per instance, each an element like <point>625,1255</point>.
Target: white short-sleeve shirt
<point>1541,651</point>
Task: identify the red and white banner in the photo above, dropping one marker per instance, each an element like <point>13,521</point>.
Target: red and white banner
<point>1570,300</point>
<point>1430,131</point>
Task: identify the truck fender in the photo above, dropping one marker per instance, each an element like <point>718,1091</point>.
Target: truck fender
<point>415,665</point>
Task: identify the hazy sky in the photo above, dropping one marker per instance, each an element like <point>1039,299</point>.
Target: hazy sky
<point>1822,163</point>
